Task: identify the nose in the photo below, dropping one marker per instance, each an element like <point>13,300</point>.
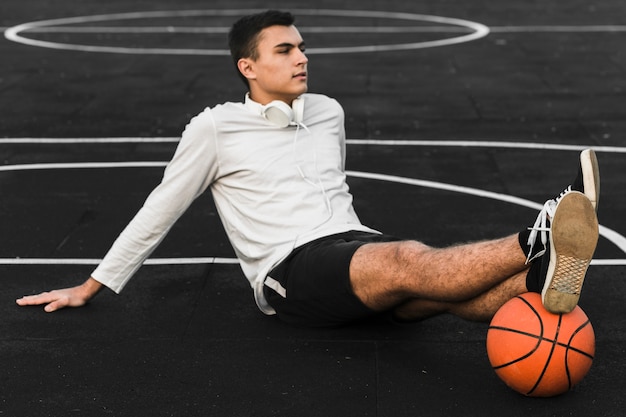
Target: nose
<point>302,58</point>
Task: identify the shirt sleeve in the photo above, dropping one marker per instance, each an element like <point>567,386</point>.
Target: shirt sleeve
<point>192,169</point>
<point>342,136</point>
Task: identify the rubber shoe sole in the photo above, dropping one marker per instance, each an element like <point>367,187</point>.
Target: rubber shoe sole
<point>573,240</point>
<point>591,176</point>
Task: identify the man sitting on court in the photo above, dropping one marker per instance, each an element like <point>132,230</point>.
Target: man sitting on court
<point>275,166</point>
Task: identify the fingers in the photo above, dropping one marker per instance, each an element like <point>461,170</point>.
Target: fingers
<point>67,297</point>
<point>56,305</point>
<point>53,300</point>
<point>32,300</point>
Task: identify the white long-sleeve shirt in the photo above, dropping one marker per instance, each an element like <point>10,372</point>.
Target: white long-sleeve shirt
<point>274,188</point>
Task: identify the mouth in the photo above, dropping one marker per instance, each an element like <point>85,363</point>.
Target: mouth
<point>301,75</point>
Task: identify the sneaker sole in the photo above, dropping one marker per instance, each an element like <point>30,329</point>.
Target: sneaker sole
<point>573,240</point>
<point>591,176</point>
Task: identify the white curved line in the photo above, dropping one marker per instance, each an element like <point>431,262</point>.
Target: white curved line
<point>487,144</point>
<point>14,33</point>
<point>611,235</point>
<point>371,142</point>
<point>224,30</point>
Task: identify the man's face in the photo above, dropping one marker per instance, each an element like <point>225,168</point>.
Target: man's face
<point>280,70</point>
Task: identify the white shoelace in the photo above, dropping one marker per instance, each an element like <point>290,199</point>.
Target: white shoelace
<point>541,225</point>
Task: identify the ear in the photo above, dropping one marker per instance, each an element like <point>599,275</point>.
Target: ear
<point>246,67</point>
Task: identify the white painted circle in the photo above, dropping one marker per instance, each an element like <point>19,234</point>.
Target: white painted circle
<point>16,33</point>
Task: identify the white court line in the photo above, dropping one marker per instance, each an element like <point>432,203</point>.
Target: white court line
<point>96,261</point>
<point>611,235</point>
<point>476,31</point>
<point>331,29</point>
<point>469,30</point>
<point>224,30</point>
<point>190,261</point>
<point>559,29</point>
<point>82,165</point>
<point>12,141</point>
<point>375,142</point>
<point>487,144</point>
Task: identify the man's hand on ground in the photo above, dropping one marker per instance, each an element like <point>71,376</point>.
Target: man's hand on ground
<point>67,297</point>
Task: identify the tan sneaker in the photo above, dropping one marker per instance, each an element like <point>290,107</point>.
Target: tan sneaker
<point>587,182</point>
<point>573,238</point>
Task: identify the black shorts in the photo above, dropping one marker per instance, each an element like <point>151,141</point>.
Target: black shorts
<point>311,287</point>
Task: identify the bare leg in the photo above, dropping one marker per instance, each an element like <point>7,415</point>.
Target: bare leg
<point>481,308</point>
<point>386,275</point>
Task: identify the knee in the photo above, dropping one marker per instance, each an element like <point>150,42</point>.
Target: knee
<point>410,252</point>
<point>382,275</point>
<point>407,264</point>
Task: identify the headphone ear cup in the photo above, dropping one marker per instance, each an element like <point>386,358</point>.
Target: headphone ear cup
<point>279,113</point>
<point>298,109</point>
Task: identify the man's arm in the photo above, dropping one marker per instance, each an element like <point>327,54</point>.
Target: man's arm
<point>188,174</point>
<point>67,297</point>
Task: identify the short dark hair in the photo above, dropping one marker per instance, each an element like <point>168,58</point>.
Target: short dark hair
<point>244,34</point>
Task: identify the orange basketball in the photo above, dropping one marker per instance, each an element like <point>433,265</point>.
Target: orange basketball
<point>538,353</point>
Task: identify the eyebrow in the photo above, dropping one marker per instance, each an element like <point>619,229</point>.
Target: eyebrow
<point>289,45</point>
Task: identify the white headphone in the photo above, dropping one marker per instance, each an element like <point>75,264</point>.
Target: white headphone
<point>282,115</point>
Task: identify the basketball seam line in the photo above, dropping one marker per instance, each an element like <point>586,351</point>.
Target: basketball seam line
<point>567,345</point>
